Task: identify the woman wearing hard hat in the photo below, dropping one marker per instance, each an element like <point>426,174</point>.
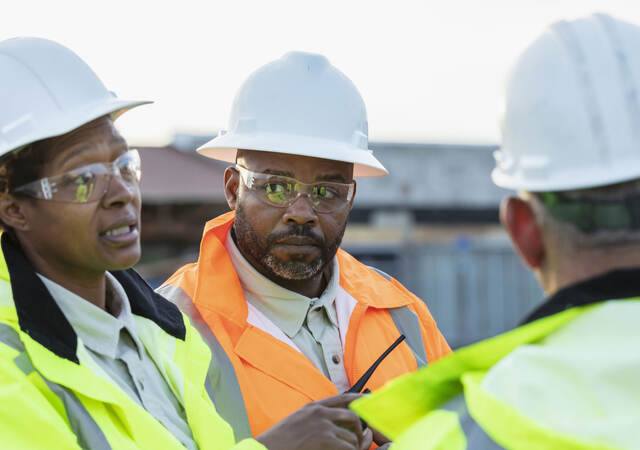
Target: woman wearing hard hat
<point>90,357</point>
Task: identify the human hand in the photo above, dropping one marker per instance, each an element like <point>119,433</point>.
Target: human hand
<point>380,439</point>
<point>321,425</point>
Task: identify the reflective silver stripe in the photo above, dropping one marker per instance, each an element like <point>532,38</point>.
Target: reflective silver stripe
<point>87,431</point>
<point>10,337</point>
<point>222,383</point>
<point>407,323</point>
<point>477,439</point>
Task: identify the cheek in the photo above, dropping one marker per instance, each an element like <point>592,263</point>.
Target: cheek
<point>262,218</point>
<point>69,222</point>
<point>333,225</point>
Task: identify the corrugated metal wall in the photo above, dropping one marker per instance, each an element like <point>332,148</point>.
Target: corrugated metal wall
<point>474,287</point>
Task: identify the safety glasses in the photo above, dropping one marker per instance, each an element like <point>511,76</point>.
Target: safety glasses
<point>87,183</point>
<point>280,191</point>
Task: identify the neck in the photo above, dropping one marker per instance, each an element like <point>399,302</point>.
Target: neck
<point>561,272</point>
<point>90,285</point>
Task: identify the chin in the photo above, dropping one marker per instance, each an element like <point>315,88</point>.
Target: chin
<point>125,259</point>
<point>293,270</point>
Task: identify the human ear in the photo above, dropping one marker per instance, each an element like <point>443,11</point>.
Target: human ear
<point>231,184</point>
<point>519,220</point>
<point>12,213</point>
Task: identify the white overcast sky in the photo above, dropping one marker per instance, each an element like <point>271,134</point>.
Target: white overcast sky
<point>428,70</point>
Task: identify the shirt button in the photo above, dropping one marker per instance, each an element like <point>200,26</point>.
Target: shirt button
<point>335,359</point>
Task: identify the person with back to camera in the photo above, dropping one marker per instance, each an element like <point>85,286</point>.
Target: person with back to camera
<point>567,377</point>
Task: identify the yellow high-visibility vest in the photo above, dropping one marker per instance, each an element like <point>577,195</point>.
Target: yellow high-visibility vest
<point>450,405</point>
<point>51,395</point>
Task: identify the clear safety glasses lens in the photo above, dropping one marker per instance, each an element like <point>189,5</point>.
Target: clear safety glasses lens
<point>275,190</point>
<point>87,183</point>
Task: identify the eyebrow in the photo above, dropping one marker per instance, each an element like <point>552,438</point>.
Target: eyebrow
<point>283,173</point>
<point>332,177</point>
<point>327,177</point>
<point>83,148</point>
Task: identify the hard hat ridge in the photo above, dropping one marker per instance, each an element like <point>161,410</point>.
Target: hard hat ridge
<point>299,104</point>
<point>572,112</point>
<point>46,90</point>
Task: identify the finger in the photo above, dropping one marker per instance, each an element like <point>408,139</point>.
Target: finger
<point>339,401</point>
<point>343,417</point>
<point>379,438</point>
<point>347,437</point>
<point>367,439</point>
<point>348,420</point>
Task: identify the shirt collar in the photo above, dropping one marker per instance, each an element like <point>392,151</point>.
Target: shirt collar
<point>42,319</point>
<point>613,285</point>
<point>285,308</point>
<point>98,329</point>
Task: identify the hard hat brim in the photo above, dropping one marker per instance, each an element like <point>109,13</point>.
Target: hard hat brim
<point>224,148</point>
<point>568,179</point>
<point>69,121</point>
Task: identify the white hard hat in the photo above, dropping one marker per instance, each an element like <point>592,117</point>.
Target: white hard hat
<point>299,104</point>
<point>46,90</point>
<point>572,109</point>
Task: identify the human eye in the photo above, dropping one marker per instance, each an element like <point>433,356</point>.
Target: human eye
<point>78,178</point>
<point>277,186</point>
<point>324,191</point>
<point>128,165</point>
<point>278,190</point>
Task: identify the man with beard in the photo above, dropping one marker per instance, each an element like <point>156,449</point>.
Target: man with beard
<point>290,317</point>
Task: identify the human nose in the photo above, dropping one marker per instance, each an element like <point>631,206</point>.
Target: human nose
<point>120,192</point>
<point>300,212</point>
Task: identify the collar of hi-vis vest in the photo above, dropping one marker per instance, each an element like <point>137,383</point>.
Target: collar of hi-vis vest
<point>217,280</point>
<point>403,401</point>
<point>42,319</point>
<point>617,284</point>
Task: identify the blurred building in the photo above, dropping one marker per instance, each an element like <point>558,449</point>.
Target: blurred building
<point>432,223</point>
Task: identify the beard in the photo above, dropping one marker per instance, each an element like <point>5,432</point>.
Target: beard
<point>257,250</point>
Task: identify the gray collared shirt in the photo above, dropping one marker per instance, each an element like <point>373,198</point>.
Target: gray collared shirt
<point>110,337</point>
<point>311,323</point>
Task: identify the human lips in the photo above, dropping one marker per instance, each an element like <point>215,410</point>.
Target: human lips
<point>297,241</point>
<point>121,232</point>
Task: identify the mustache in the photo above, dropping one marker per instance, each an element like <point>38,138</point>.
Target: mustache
<point>296,230</point>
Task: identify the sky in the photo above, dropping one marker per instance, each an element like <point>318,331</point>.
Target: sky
<point>429,71</point>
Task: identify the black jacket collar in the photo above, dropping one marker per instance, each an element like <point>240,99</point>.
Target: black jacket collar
<point>617,284</point>
<point>41,318</point>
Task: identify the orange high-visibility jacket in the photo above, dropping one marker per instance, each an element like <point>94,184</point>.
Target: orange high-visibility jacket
<point>259,378</point>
